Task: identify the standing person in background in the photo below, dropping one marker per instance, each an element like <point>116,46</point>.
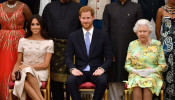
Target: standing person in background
<point>166,19</point>
<point>119,19</point>
<point>2,2</point>
<point>62,18</point>
<point>36,6</point>
<point>13,16</point>
<point>33,5</point>
<point>43,3</point>
<point>98,6</point>
<point>150,8</point>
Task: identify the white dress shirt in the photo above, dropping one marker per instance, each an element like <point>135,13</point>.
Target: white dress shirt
<point>90,33</point>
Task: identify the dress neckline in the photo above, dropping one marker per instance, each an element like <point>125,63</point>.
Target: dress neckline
<point>35,40</point>
<point>145,45</point>
<point>13,13</point>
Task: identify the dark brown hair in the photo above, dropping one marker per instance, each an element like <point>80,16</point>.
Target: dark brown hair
<point>44,34</point>
<point>86,9</point>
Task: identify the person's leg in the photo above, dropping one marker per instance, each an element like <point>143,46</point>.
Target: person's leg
<point>147,94</point>
<point>72,85</point>
<point>30,91</point>
<point>137,93</point>
<point>116,90</point>
<point>57,90</point>
<point>112,91</point>
<point>155,97</point>
<point>60,90</point>
<point>34,84</point>
<point>101,84</point>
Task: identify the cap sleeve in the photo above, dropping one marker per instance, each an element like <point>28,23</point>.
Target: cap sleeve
<point>50,47</point>
<point>20,45</point>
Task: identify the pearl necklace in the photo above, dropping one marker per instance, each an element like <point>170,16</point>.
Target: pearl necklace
<point>11,6</point>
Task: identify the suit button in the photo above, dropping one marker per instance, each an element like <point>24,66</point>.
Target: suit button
<point>97,8</point>
<point>97,0</point>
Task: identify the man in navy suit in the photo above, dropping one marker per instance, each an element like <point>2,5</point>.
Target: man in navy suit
<point>93,55</point>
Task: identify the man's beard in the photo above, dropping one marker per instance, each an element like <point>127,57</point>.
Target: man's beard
<point>87,27</point>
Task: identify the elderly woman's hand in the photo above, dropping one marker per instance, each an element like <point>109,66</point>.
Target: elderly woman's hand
<point>146,72</point>
<point>143,72</point>
<point>139,71</point>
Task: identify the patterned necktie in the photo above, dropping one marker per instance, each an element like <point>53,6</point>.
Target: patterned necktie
<point>87,41</point>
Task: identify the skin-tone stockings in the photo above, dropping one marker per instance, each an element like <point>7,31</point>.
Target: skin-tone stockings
<point>137,94</point>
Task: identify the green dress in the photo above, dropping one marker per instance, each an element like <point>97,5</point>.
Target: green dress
<point>145,57</point>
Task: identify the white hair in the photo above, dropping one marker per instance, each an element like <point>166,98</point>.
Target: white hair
<point>144,22</point>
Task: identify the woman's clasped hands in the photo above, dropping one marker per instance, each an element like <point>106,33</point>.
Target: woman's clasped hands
<point>143,72</point>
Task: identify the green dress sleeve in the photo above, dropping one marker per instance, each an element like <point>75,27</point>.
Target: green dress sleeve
<point>161,64</point>
<point>128,61</point>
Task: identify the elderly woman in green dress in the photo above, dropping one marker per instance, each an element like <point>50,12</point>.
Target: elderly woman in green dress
<point>145,62</point>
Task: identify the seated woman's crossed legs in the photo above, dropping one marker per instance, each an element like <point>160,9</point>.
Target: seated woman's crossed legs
<point>31,86</point>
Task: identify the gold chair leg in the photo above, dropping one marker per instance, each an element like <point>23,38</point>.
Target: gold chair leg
<point>126,94</point>
<point>106,94</point>
<point>161,94</point>
<point>70,98</point>
<point>48,92</point>
<point>129,96</point>
<point>10,94</point>
<point>45,94</point>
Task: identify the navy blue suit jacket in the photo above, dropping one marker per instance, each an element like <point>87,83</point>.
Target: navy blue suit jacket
<point>150,8</point>
<point>100,48</point>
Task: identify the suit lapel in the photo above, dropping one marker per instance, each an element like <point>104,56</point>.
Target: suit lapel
<point>82,42</point>
<point>93,42</point>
